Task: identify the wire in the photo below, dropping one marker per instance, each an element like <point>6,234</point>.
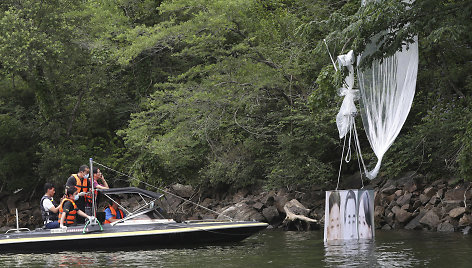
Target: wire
<point>162,190</point>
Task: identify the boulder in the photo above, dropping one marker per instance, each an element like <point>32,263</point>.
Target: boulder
<point>398,192</point>
<point>240,195</point>
<point>434,200</point>
<point>410,186</point>
<point>404,199</point>
<point>430,219</point>
<point>402,216</point>
<point>389,190</point>
<point>465,220</point>
<point>430,191</point>
<point>395,209</point>
<point>185,191</point>
<point>242,212</point>
<point>390,198</point>
<point>406,207</point>
<point>416,204</point>
<point>456,212</point>
<point>389,218</point>
<point>415,224</point>
<point>268,199</point>
<point>424,198</point>
<point>451,204</point>
<point>270,213</point>
<point>445,227</point>
<point>280,200</point>
<point>458,193</point>
<point>296,207</point>
<point>258,205</point>
<point>386,227</point>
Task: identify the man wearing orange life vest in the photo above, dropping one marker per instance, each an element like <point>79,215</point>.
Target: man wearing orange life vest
<point>113,212</point>
<point>68,210</point>
<point>81,182</point>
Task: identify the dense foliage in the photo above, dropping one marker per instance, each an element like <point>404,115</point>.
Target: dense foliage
<point>233,92</point>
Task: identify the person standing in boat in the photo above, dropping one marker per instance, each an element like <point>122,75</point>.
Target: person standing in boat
<point>68,210</point>
<point>49,209</point>
<point>81,183</point>
<point>113,212</point>
<point>98,177</point>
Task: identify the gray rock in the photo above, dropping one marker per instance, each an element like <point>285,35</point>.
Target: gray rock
<point>297,208</point>
<point>270,213</point>
<point>258,205</point>
<point>268,199</point>
<point>417,204</point>
<point>280,201</point>
<point>404,199</point>
<point>402,216</point>
<point>434,200</point>
<point>465,220</point>
<point>410,186</point>
<point>395,209</point>
<point>451,204</point>
<point>241,211</point>
<point>386,227</point>
<point>430,219</point>
<point>240,195</point>
<point>406,207</point>
<point>456,212</point>
<point>430,191</point>
<point>445,227</point>
<point>415,224</point>
<point>398,192</point>
<point>185,191</point>
<point>424,198</point>
<point>389,190</point>
<point>457,193</point>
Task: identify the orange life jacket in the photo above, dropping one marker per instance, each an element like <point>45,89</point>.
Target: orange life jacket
<point>71,215</point>
<point>113,214</point>
<point>82,186</point>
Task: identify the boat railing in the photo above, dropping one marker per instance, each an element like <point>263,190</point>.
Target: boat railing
<point>18,229</point>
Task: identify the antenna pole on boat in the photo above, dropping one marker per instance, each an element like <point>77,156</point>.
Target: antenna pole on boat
<point>93,192</point>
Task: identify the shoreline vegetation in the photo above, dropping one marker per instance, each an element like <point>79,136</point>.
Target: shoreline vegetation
<point>227,94</point>
<point>407,202</point>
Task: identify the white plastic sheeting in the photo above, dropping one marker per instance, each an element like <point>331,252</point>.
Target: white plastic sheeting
<point>387,89</point>
<point>347,112</point>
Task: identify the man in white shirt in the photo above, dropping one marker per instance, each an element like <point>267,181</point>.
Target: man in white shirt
<point>49,209</point>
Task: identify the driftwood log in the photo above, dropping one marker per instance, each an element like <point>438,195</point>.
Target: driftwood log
<point>297,217</point>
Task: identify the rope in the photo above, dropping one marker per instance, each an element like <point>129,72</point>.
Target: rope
<point>359,154</point>
<point>341,164</point>
<point>360,159</point>
<point>164,191</point>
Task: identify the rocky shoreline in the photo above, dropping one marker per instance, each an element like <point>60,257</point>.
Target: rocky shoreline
<point>409,202</point>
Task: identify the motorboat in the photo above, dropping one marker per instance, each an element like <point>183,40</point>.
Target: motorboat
<point>145,225</point>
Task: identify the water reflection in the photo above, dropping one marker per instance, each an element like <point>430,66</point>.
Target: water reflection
<point>362,253</point>
<point>276,249</point>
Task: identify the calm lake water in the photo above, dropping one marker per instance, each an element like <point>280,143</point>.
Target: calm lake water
<point>273,248</point>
